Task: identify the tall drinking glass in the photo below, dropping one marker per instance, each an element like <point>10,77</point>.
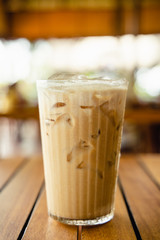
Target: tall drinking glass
<point>81,127</point>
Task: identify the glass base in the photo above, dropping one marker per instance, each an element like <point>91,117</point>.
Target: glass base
<point>85,222</point>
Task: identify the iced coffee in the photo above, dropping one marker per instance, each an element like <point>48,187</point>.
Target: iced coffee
<point>81,127</point>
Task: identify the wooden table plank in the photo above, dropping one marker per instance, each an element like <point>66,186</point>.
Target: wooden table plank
<point>151,162</point>
<point>44,227</point>
<point>141,192</point>
<point>8,168</point>
<point>119,227</point>
<point>18,197</point>
<point>143,197</point>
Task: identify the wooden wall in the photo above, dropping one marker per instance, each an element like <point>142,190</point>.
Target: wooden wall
<point>43,19</point>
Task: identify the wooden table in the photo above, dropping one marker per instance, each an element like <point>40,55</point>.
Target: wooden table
<point>23,211</point>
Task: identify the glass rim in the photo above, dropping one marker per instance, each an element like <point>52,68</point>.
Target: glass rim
<point>68,79</point>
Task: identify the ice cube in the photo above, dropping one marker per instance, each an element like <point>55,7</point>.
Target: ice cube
<point>104,107</point>
<point>59,104</point>
<point>81,165</point>
<point>64,76</point>
<point>69,156</point>
<point>49,121</point>
<point>95,136</point>
<point>67,118</point>
<point>87,107</point>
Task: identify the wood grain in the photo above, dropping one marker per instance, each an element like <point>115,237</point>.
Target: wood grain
<point>7,169</point>
<point>118,228</point>
<point>151,162</point>
<point>142,196</point>
<point>18,197</point>
<point>44,227</point>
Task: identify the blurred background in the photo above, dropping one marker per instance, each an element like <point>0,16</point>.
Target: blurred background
<point>40,37</point>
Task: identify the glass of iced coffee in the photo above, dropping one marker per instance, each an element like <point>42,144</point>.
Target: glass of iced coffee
<point>81,119</point>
